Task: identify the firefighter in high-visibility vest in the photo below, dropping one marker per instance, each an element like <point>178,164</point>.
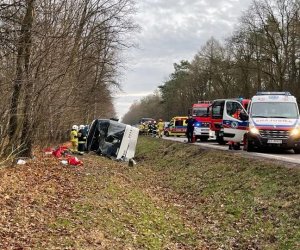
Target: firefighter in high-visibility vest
<point>154,129</point>
<point>146,128</point>
<point>160,127</point>
<point>81,138</point>
<point>150,128</point>
<point>74,138</point>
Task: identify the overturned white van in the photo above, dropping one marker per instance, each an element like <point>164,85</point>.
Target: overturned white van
<point>113,139</point>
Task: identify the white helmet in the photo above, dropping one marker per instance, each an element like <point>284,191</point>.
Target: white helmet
<point>81,127</point>
<point>75,127</point>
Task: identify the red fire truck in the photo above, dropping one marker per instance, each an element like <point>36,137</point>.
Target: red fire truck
<point>201,115</point>
<point>216,116</point>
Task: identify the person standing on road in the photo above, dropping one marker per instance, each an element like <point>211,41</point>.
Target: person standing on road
<point>150,128</point>
<point>160,128</point>
<point>190,128</point>
<point>146,128</point>
<point>154,129</point>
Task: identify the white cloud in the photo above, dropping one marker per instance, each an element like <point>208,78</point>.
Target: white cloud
<point>137,94</point>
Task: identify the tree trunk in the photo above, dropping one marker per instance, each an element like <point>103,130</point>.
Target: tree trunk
<point>23,58</point>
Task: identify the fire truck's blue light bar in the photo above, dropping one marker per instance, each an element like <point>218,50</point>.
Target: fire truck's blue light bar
<point>273,93</point>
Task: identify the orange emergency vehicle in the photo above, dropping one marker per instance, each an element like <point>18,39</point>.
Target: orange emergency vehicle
<point>176,127</point>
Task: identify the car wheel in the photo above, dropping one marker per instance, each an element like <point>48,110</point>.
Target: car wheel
<point>297,150</point>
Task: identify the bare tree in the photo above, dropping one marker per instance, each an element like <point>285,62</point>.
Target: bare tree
<point>66,55</point>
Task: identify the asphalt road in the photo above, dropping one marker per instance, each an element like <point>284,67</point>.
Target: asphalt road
<point>274,155</point>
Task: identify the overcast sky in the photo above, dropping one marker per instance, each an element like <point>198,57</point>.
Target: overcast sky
<point>172,30</point>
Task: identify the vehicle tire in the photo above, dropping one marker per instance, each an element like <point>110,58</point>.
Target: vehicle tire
<point>248,146</point>
<point>220,140</point>
<point>237,146</point>
<point>167,134</point>
<point>296,150</point>
<point>203,138</point>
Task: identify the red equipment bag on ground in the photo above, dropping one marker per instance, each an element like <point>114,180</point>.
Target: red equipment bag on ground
<point>59,151</point>
<point>74,161</point>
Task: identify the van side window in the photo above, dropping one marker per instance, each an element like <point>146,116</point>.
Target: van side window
<point>233,109</point>
<point>178,123</point>
<point>217,111</point>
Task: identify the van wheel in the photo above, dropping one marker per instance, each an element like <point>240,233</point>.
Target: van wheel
<point>167,134</point>
<point>248,146</point>
<point>297,150</point>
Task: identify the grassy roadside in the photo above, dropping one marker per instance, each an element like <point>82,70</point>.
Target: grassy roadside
<point>177,197</point>
<point>233,202</point>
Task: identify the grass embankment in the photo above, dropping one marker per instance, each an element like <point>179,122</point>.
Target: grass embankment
<point>177,197</point>
<point>233,202</point>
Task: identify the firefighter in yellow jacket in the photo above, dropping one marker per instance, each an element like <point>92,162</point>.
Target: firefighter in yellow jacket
<point>160,127</point>
<point>74,138</point>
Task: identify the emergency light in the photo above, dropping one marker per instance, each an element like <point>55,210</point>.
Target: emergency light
<point>273,93</point>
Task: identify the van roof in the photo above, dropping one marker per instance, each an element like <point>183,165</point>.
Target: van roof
<point>273,93</point>
<point>179,117</point>
<point>201,105</point>
<point>273,98</point>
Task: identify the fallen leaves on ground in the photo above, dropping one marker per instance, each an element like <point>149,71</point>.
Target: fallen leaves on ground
<point>176,197</point>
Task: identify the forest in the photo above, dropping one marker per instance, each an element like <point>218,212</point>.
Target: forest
<point>263,54</point>
<point>59,64</point>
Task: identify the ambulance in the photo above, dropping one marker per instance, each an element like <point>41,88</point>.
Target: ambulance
<point>176,127</point>
<point>217,115</point>
<point>272,120</point>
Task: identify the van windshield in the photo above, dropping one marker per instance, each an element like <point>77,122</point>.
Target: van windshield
<point>274,110</point>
